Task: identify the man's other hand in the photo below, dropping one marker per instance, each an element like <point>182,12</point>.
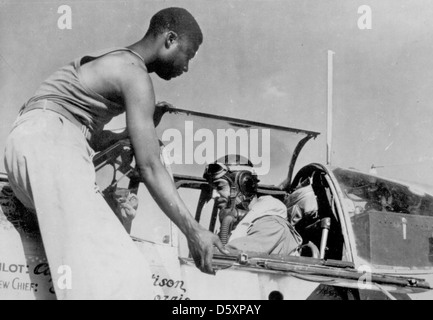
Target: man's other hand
<point>128,207</point>
<point>160,109</point>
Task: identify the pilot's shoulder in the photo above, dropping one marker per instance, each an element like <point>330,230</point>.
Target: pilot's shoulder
<point>270,200</point>
<point>269,203</point>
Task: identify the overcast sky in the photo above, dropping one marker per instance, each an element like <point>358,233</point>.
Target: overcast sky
<point>263,61</point>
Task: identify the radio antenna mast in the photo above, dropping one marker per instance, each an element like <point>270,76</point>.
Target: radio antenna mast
<point>330,106</point>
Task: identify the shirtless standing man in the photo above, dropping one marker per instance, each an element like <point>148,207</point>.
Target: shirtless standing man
<point>49,152</point>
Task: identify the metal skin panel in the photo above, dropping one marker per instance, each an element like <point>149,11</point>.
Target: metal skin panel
<point>390,238</point>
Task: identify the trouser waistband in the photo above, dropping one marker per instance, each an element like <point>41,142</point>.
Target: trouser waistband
<point>52,106</point>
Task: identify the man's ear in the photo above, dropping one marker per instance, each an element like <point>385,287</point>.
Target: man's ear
<point>171,38</point>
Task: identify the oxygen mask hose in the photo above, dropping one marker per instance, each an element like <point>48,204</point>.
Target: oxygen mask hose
<point>226,226</point>
<point>229,219</point>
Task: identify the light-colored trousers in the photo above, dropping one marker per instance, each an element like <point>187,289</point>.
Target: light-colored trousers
<point>50,169</point>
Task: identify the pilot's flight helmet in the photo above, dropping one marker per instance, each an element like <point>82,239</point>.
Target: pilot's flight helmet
<point>237,170</point>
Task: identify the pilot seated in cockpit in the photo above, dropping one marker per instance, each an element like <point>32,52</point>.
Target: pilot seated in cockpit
<point>248,222</point>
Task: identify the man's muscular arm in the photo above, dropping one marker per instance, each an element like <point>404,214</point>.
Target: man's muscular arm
<point>136,90</point>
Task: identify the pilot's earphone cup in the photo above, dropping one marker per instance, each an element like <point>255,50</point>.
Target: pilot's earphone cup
<point>246,182</point>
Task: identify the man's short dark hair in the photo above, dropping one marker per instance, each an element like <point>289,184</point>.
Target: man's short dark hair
<point>178,20</point>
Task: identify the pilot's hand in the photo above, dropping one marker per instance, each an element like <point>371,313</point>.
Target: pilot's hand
<point>201,244</point>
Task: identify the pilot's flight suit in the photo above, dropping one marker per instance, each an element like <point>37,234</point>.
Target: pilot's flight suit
<point>265,229</point>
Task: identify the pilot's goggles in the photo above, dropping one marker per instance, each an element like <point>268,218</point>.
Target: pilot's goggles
<point>215,171</point>
<point>218,170</point>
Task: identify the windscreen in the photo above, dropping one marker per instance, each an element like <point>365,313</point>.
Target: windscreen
<point>193,140</point>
